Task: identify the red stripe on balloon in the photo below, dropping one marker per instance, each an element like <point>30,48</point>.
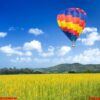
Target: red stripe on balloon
<point>65,29</point>
<point>79,10</point>
<point>61,17</point>
<point>70,18</point>
<point>72,8</point>
<point>82,23</point>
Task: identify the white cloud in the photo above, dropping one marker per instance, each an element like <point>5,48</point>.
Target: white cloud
<point>9,50</point>
<point>91,37</point>
<point>53,51</point>
<point>25,50</point>
<point>49,53</point>
<point>64,50</point>
<point>33,45</point>
<point>52,56</point>
<point>89,29</point>
<point>35,31</point>
<point>3,34</point>
<point>28,53</point>
<point>28,48</point>
<point>89,56</point>
<point>25,53</point>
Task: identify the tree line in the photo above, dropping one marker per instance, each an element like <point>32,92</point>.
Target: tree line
<point>18,71</point>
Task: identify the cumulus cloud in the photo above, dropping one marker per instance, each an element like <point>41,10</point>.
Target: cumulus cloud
<point>56,51</point>
<point>89,29</point>
<point>6,49</point>
<point>64,50</point>
<point>28,49</point>
<point>89,56</point>
<point>33,45</point>
<point>91,37</point>
<point>3,34</point>
<point>9,50</point>
<point>35,31</point>
<point>28,53</point>
<point>25,50</point>
<point>52,55</point>
<point>49,53</point>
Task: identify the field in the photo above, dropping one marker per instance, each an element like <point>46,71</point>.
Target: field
<point>50,86</point>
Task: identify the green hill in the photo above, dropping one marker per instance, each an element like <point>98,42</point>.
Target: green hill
<point>72,68</point>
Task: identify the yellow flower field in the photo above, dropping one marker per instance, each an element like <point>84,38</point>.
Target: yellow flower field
<point>50,86</point>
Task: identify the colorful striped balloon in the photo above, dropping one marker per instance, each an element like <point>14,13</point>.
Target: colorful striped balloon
<point>72,22</point>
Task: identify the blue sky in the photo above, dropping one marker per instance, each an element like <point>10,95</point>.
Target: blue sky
<point>30,36</point>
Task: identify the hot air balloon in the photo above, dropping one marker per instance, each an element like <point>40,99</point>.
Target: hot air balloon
<point>72,21</point>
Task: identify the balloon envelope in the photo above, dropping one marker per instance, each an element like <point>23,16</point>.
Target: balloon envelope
<point>72,21</point>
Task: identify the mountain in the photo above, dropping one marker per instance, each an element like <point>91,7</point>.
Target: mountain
<point>62,68</point>
<point>72,68</point>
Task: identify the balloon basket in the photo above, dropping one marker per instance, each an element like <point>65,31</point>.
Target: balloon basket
<point>73,45</point>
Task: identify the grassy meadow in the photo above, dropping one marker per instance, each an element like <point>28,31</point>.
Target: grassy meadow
<point>50,86</point>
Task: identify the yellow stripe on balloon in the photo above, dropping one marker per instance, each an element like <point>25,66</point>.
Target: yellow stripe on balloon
<point>70,25</point>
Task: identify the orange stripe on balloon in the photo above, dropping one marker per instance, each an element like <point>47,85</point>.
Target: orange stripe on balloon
<point>65,29</point>
<point>69,18</point>
<point>70,25</point>
<point>61,17</point>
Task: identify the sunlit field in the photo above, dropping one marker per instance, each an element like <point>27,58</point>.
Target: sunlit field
<point>50,86</point>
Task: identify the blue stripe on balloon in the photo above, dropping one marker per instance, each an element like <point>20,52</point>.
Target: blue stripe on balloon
<point>75,13</point>
<point>72,37</point>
